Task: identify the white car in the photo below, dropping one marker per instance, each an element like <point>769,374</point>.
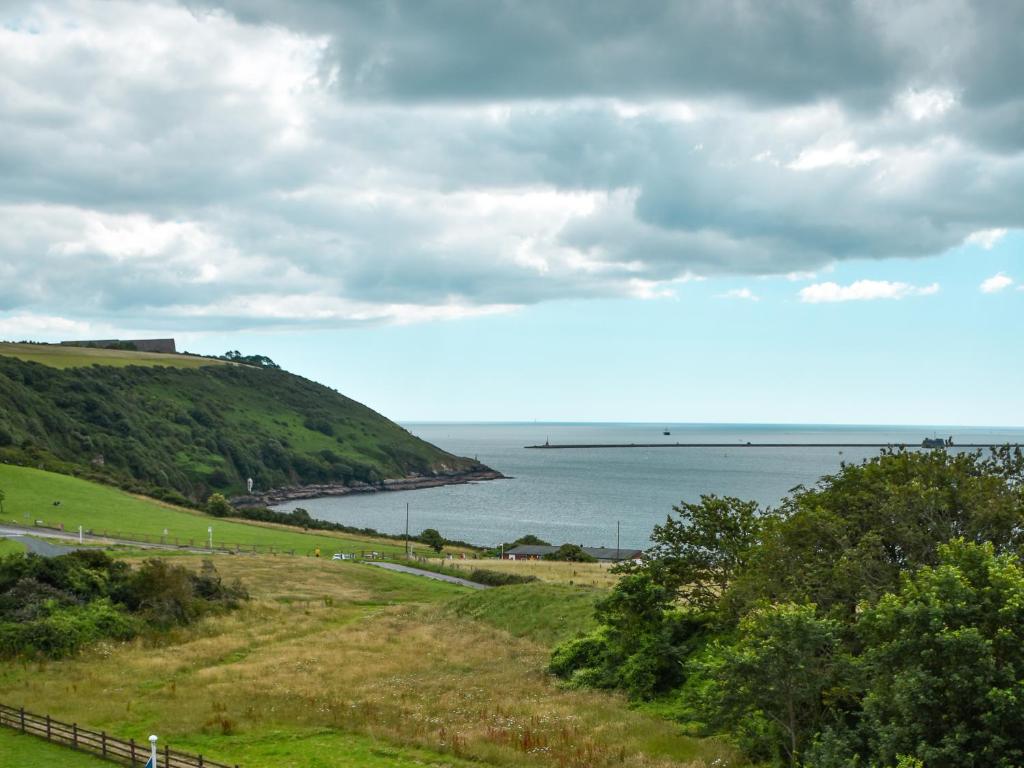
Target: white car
<point>341,556</point>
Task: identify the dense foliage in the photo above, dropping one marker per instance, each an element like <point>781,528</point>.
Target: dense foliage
<point>54,607</point>
<point>876,619</point>
<point>179,433</point>
<point>571,553</point>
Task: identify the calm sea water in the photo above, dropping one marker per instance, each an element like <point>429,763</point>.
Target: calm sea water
<point>579,495</point>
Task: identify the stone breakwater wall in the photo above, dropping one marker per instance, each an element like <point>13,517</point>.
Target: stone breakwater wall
<point>321,490</point>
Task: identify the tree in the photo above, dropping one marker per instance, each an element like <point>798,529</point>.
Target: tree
<point>767,685</point>
<point>3,498</point>
<point>851,537</point>
<point>945,660</point>
<point>571,553</point>
<point>698,551</point>
<point>432,539</point>
<point>218,506</point>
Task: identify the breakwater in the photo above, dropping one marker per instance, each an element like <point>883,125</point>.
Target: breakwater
<point>553,446</point>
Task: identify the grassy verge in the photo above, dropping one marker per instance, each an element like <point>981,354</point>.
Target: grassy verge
<point>57,356</point>
<point>10,547</point>
<point>32,493</point>
<point>343,664</point>
<point>33,752</point>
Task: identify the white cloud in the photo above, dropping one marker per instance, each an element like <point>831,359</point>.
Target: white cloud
<point>927,103</point>
<point>996,283</point>
<point>739,293</point>
<point>986,238</point>
<point>863,290</point>
<point>845,154</point>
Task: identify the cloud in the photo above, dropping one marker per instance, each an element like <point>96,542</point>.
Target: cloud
<point>986,238</point>
<point>739,293</point>
<point>863,290</point>
<point>996,283</point>
<point>190,165</point>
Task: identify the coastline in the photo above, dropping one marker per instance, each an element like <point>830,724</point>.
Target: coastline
<point>284,494</point>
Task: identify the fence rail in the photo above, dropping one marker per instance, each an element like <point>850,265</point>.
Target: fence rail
<point>98,743</point>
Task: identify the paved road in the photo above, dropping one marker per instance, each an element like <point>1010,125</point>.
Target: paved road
<point>10,531</point>
<point>430,575</point>
<point>38,546</point>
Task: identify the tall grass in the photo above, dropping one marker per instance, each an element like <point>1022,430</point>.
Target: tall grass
<point>328,647</point>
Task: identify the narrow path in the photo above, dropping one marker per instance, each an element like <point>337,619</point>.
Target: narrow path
<point>12,531</point>
<point>430,575</point>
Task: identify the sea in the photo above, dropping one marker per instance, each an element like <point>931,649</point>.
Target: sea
<point>601,496</point>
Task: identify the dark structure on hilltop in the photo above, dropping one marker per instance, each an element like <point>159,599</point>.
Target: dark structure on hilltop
<point>137,345</point>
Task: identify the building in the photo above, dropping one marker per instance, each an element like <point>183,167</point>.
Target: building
<point>601,554</point>
<point>140,345</point>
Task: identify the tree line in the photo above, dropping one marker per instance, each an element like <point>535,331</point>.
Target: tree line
<point>875,619</point>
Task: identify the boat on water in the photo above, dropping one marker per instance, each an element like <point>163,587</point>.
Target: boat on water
<point>666,432</point>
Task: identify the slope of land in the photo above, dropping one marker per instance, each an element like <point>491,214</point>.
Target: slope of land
<point>198,429</point>
<point>33,495</point>
<point>58,356</point>
<point>337,664</point>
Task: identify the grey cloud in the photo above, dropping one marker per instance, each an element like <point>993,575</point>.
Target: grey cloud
<point>485,154</point>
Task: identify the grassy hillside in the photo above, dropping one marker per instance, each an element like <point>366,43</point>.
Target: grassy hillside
<point>344,664</point>
<point>58,356</point>
<point>195,430</point>
<point>543,613</point>
<point>31,494</point>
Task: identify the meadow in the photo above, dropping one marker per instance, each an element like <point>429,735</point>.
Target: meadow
<point>57,356</point>
<point>337,663</point>
<point>32,493</point>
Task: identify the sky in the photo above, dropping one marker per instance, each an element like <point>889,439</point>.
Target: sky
<point>711,211</point>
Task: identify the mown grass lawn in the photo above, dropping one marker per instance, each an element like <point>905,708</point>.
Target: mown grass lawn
<point>342,664</point>
<point>57,356</point>
<point>10,547</point>
<point>18,751</point>
<point>32,493</point>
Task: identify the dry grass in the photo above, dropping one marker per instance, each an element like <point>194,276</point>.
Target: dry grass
<point>58,356</point>
<point>328,647</point>
<point>586,574</point>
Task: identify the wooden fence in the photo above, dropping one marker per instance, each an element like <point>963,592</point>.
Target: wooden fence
<point>98,742</point>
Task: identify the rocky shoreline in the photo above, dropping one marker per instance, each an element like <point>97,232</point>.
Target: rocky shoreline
<point>321,490</point>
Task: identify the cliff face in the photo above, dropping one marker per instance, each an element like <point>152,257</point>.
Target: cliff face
<point>209,428</point>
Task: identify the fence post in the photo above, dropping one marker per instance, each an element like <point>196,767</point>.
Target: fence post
<point>47,727</point>
<point>200,761</point>
<point>22,719</point>
<point>74,735</point>
<point>131,744</point>
<point>103,743</point>
<point>167,756</point>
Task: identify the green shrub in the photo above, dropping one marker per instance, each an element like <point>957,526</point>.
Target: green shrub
<point>498,578</point>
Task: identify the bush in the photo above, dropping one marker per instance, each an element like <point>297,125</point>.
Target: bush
<point>498,578</point>
<point>54,607</point>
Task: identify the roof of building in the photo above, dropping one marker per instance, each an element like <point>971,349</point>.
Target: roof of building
<point>601,553</point>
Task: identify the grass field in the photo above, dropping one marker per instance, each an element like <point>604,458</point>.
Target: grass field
<point>544,613</point>
<point>31,494</point>
<point>341,664</point>
<point>585,574</point>
<point>57,356</point>
<point>10,547</point>
<point>32,752</point>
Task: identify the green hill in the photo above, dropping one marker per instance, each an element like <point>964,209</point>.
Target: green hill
<point>152,427</point>
<point>31,495</point>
